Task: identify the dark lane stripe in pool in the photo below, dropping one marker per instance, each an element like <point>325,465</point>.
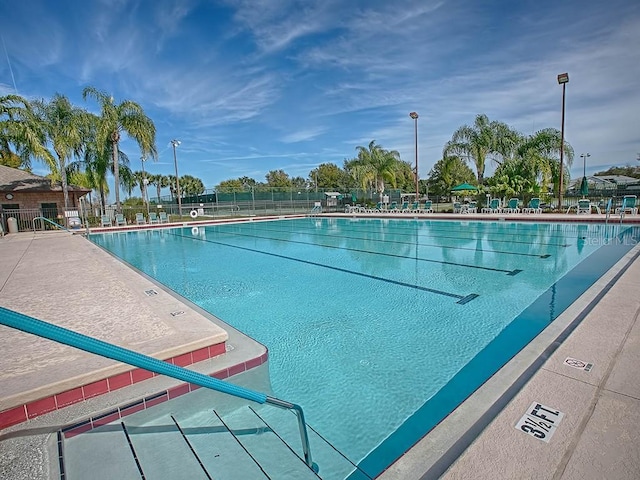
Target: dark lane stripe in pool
<point>346,237</point>
<point>491,269</point>
<point>462,298</point>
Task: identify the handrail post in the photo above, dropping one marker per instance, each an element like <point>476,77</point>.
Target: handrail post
<point>304,435</point>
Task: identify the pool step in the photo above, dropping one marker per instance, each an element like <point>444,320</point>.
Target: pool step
<point>257,442</point>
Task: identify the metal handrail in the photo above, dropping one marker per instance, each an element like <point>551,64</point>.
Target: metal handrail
<point>49,221</point>
<point>62,335</point>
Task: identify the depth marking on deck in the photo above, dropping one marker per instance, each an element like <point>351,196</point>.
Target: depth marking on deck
<point>579,364</point>
<point>540,421</point>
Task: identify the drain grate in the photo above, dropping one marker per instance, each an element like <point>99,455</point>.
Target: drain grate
<point>150,293</point>
<point>177,313</point>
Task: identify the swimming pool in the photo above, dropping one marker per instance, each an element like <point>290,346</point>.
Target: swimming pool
<point>370,323</point>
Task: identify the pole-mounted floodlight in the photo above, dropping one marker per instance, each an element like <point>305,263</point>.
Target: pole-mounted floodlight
<point>175,143</point>
<point>414,115</point>
<point>563,79</point>
<point>584,157</point>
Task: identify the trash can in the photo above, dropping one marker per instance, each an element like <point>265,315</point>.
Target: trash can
<point>12,225</point>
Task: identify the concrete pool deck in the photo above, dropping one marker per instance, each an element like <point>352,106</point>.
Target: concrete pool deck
<point>597,437</point>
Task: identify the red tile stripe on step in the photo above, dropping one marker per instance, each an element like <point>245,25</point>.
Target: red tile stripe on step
<point>22,413</point>
<point>148,402</point>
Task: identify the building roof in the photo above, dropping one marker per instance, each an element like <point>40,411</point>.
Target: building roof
<point>15,180</point>
<point>619,179</point>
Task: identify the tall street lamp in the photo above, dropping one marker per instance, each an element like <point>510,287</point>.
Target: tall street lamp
<point>175,143</point>
<point>414,115</point>
<point>563,79</point>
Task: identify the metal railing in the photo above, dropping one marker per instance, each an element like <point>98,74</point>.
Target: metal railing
<point>62,335</point>
<point>48,220</point>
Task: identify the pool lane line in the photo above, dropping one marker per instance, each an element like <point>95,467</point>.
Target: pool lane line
<point>536,255</point>
<point>462,299</point>
<point>393,255</point>
<point>516,234</point>
<point>400,232</point>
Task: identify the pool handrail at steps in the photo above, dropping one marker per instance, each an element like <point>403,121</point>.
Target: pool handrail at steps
<point>62,335</point>
<point>48,220</point>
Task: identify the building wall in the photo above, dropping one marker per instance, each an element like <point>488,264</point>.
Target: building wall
<point>31,200</point>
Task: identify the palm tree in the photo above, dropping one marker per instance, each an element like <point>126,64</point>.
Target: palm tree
<point>128,117</point>
<point>64,127</point>
<point>374,166</point>
<point>481,140</point>
<point>20,128</point>
<point>191,185</point>
<point>542,152</point>
<point>160,182</point>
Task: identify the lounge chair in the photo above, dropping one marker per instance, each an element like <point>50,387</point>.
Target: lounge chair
<point>512,206</point>
<point>629,205</point>
<point>105,221</point>
<point>472,207</point>
<point>409,208</point>
<point>393,207</point>
<point>153,218</point>
<point>140,219</point>
<point>533,206</point>
<point>164,218</point>
<point>414,207</point>
<point>426,208</point>
<point>120,220</point>
<point>584,207</point>
<point>493,207</point>
<point>457,207</point>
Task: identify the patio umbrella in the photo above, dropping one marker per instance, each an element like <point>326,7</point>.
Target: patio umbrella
<point>464,187</point>
<point>584,187</point>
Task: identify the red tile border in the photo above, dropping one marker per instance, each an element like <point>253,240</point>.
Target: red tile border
<point>40,407</point>
<point>13,416</point>
<point>155,400</point>
<point>217,349</point>
<point>183,360</point>
<point>132,409</point>
<point>200,355</point>
<point>111,417</point>
<point>24,412</point>
<point>239,368</point>
<point>96,388</point>
<point>120,381</point>
<point>69,397</point>
<point>138,375</point>
<point>77,430</point>
<point>178,391</point>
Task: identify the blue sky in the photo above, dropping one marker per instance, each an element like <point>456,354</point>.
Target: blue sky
<point>250,86</point>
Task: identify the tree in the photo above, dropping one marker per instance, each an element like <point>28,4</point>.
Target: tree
<point>447,173</point>
<point>328,176</point>
<point>191,186</point>
<point>478,142</point>
<point>65,128</point>
<point>128,117</point>
<point>278,179</point>
<point>21,129</point>
<point>160,182</point>
<point>540,153</point>
<point>374,166</point>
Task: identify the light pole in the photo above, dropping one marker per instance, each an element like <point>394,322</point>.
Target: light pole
<point>145,182</point>
<point>584,157</point>
<point>175,143</point>
<point>414,115</point>
<point>563,79</point>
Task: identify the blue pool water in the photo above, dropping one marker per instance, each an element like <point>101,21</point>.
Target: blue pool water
<point>370,321</point>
